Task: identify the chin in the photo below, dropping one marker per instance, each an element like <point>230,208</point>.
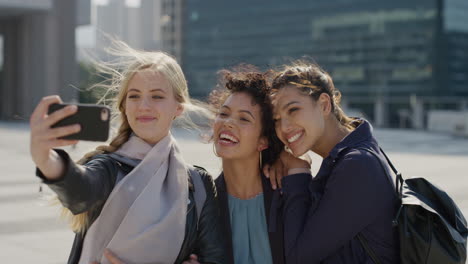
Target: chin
<point>223,154</point>
<point>299,151</point>
<point>220,153</point>
<point>226,155</point>
<point>298,154</point>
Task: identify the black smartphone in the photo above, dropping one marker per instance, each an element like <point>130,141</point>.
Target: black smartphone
<point>94,121</point>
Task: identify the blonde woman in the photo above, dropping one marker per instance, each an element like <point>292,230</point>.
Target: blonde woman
<point>135,196</point>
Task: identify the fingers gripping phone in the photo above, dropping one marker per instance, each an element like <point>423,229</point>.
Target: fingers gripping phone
<point>93,119</point>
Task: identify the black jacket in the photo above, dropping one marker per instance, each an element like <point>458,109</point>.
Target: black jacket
<point>77,190</point>
<point>272,204</point>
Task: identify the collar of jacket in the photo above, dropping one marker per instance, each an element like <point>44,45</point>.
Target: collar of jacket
<point>362,132</point>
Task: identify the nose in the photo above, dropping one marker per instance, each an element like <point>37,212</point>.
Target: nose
<point>229,122</point>
<point>144,104</point>
<point>285,125</point>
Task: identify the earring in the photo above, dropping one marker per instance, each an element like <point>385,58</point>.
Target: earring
<point>287,149</point>
<point>261,165</point>
<point>214,150</point>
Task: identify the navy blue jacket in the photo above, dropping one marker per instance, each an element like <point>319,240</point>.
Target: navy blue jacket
<point>350,194</point>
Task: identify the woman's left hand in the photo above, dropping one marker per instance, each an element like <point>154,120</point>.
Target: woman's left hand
<point>285,165</point>
<point>275,173</point>
<point>113,259</point>
<point>291,163</point>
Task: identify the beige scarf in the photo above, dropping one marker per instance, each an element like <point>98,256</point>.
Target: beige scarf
<point>143,220</point>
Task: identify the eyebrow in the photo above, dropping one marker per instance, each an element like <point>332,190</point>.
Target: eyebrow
<point>153,90</point>
<point>242,111</point>
<point>288,104</point>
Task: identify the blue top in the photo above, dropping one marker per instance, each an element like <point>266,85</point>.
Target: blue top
<point>350,194</point>
<point>249,231</point>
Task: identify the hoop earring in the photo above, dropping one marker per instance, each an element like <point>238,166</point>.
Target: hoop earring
<point>261,164</point>
<point>214,150</point>
<point>287,149</point>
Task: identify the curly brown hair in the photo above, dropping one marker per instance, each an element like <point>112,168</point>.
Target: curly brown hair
<point>312,80</point>
<point>248,79</point>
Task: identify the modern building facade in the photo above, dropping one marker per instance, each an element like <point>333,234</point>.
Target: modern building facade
<point>455,34</point>
<point>38,52</point>
<point>171,27</point>
<point>391,59</point>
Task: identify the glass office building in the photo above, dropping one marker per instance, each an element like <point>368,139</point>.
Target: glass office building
<point>455,25</point>
<point>376,51</point>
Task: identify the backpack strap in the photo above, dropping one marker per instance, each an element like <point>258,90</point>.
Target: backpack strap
<point>398,179</point>
<point>200,193</point>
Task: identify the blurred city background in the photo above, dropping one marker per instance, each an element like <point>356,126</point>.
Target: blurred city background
<point>401,64</point>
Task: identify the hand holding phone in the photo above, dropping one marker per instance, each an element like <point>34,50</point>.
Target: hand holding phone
<point>54,124</point>
<point>44,138</point>
<point>93,120</point>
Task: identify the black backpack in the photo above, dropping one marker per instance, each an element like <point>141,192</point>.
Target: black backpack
<point>431,227</point>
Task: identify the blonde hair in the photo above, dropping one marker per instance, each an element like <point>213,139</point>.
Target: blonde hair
<point>118,73</point>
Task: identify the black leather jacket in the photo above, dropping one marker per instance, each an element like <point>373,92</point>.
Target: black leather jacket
<point>77,190</point>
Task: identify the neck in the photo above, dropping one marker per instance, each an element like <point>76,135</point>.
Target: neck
<point>334,133</point>
<point>154,141</point>
<point>242,177</point>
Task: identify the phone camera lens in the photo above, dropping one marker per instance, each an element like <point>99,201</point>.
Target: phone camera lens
<point>104,114</point>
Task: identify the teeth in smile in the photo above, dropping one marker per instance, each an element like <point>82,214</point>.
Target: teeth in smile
<point>294,138</point>
<point>226,136</point>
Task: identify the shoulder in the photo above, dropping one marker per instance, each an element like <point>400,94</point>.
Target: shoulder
<point>107,158</point>
<point>360,173</point>
<point>103,158</point>
<point>205,176</point>
<point>359,163</point>
<point>202,171</point>
<point>105,162</point>
<point>358,158</point>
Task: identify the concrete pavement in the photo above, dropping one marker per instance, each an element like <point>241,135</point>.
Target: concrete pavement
<point>31,231</point>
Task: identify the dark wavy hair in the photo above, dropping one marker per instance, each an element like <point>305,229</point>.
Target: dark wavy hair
<point>248,79</point>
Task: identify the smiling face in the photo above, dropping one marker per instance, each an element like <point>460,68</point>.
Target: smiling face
<point>237,128</point>
<point>300,121</point>
<point>150,106</point>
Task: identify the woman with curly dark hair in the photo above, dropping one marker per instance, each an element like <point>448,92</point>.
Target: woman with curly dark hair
<point>244,137</point>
